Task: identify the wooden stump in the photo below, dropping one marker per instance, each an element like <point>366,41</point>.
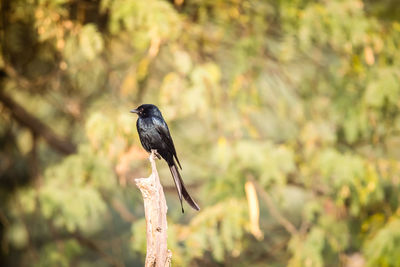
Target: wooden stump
<point>155,209</point>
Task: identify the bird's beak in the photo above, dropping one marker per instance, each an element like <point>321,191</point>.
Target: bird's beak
<point>135,111</point>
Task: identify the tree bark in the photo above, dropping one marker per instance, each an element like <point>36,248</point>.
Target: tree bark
<point>155,209</point>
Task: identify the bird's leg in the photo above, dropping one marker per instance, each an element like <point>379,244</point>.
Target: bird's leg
<point>158,155</point>
<point>154,152</point>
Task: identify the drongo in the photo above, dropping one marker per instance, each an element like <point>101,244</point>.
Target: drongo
<point>154,134</point>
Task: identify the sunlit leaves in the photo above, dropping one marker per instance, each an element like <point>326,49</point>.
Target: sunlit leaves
<point>356,179</point>
<point>219,230</point>
<point>91,41</point>
<point>88,43</point>
<point>308,252</point>
<point>72,193</point>
<point>384,89</point>
<point>271,163</point>
<point>332,24</point>
<point>147,20</point>
<point>384,248</point>
<point>18,235</point>
<point>204,88</point>
<point>249,159</point>
<point>183,61</point>
<point>100,130</point>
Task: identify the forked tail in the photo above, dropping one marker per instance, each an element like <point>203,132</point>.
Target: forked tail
<point>180,187</point>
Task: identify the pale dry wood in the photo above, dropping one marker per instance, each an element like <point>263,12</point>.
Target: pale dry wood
<point>254,210</point>
<point>155,209</point>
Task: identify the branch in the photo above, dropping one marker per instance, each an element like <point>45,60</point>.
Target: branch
<point>254,210</point>
<point>155,210</point>
<point>290,228</point>
<point>122,210</point>
<point>36,126</point>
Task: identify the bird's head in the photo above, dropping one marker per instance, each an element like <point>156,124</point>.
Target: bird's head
<point>147,110</point>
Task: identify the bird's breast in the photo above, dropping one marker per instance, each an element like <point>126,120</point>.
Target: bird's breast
<point>148,132</point>
<point>144,124</point>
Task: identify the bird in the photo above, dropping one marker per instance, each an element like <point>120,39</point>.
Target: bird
<point>154,135</point>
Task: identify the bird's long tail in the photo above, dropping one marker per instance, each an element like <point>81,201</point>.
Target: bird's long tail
<point>180,187</point>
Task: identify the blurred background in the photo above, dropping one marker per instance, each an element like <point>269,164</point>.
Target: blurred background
<point>285,115</point>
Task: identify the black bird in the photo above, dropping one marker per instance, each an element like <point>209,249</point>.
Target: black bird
<point>154,134</point>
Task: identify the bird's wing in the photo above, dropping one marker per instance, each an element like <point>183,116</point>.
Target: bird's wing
<point>162,128</point>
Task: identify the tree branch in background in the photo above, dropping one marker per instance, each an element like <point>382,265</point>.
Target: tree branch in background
<point>275,212</point>
<point>122,210</point>
<point>36,126</point>
<point>155,210</point>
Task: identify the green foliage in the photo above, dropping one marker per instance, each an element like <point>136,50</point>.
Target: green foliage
<point>298,98</point>
<point>383,248</point>
<point>78,181</point>
<point>309,252</point>
<point>51,255</point>
<point>218,230</point>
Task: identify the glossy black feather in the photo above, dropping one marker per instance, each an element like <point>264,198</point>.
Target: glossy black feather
<point>154,134</point>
